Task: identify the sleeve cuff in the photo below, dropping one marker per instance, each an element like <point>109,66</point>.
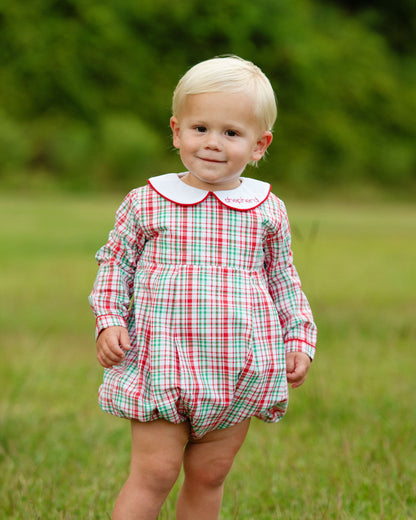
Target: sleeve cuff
<point>297,345</point>
<point>108,320</point>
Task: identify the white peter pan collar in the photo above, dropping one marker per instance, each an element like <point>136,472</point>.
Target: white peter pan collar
<point>250,194</point>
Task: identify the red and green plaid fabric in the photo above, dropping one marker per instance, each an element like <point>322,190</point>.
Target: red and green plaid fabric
<point>212,302</point>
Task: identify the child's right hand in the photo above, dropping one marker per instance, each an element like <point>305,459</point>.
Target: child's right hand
<point>111,344</point>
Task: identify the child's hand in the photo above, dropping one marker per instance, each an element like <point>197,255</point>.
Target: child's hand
<point>111,344</point>
<point>297,366</point>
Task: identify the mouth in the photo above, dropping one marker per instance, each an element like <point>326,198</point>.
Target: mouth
<point>207,159</point>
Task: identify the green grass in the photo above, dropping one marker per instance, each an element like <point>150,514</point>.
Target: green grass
<point>345,450</point>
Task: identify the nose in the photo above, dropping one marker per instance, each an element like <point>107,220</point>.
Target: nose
<point>212,141</point>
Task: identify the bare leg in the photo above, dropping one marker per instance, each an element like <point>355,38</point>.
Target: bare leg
<point>156,460</point>
<point>207,462</point>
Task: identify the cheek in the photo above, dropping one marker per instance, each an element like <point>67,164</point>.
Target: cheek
<point>243,153</point>
<point>186,142</point>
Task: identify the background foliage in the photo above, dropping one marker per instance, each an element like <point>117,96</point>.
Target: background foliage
<point>85,87</point>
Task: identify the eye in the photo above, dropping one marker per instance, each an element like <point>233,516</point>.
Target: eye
<point>231,133</point>
<point>200,129</point>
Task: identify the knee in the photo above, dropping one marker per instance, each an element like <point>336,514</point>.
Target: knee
<point>157,474</point>
<point>210,475</point>
<point>164,473</point>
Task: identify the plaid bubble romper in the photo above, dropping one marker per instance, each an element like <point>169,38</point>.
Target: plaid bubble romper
<point>205,284</point>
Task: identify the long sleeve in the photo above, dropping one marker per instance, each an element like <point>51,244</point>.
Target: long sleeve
<point>295,315</point>
<point>117,259</point>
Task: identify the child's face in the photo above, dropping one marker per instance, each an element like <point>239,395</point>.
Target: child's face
<point>217,134</point>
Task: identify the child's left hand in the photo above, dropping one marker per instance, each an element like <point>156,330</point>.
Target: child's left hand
<point>297,366</point>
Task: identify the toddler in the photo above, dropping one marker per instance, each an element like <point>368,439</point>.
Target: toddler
<point>201,322</point>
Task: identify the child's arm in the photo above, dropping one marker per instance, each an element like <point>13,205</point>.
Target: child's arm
<point>295,315</point>
<point>113,287</point>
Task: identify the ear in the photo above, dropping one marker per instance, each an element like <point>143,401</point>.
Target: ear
<point>261,146</point>
<point>174,124</point>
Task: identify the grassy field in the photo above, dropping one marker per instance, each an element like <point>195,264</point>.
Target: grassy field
<point>347,447</point>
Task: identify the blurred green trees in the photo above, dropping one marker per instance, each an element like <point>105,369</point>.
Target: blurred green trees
<point>86,86</point>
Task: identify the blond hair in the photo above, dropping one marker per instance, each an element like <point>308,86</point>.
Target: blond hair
<point>229,74</point>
